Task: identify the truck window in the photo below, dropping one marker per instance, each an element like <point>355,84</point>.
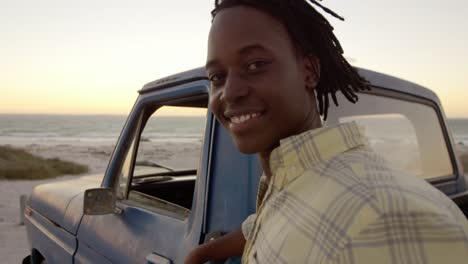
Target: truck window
<point>406,133</point>
<point>166,159</point>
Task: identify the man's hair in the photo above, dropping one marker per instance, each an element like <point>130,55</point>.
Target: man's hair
<point>312,34</point>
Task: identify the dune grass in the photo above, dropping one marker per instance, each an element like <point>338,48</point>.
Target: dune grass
<point>17,164</point>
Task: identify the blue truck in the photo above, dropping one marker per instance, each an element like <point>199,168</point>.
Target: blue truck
<point>142,211</point>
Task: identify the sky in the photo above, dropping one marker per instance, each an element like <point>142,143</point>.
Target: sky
<point>91,57</point>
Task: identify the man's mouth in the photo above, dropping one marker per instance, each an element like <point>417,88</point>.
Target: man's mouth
<point>243,118</point>
<point>243,122</point>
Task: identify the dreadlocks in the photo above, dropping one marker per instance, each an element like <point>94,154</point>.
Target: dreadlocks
<point>312,34</point>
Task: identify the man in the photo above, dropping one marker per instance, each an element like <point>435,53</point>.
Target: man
<point>325,196</point>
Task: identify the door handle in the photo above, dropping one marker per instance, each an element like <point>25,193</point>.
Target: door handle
<point>154,258</point>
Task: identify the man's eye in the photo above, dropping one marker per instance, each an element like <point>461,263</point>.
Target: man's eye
<point>216,78</point>
<point>256,65</point>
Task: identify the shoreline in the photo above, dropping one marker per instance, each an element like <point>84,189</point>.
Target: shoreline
<point>13,240</point>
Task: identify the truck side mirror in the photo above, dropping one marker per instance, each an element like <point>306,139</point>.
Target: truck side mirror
<point>99,201</point>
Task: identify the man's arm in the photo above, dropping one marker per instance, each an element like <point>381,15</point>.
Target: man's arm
<point>229,245</point>
<point>419,237</point>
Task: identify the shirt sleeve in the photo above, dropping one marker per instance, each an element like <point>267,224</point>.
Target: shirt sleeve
<point>248,225</point>
<point>408,238</point>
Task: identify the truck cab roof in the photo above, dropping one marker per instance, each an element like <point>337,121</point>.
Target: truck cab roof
<point>377,79</point>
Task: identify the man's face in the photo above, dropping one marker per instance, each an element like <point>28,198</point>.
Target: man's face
<point>258,79</point>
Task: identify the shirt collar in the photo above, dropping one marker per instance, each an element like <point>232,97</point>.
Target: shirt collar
<point>299,153</point>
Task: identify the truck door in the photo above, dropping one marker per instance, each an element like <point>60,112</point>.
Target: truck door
<point>233,181</point>
<point>158,172</point>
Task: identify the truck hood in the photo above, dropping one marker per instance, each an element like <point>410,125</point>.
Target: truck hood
<point>62,202</point>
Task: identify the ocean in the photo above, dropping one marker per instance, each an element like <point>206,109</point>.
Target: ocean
<point>107,128</point>
<point>459,127</point>
<point>94,128</point>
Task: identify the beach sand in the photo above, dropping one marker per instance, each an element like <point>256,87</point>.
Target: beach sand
<point>13,240</point>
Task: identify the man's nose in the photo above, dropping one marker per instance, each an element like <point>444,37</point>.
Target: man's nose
<point>235,88</point>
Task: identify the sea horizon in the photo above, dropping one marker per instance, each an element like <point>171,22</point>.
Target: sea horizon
<point>106,128</point>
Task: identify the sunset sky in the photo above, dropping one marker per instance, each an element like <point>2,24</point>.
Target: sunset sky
<point>90,57</point>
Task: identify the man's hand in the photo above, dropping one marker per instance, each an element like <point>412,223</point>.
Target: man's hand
<point>229,245</point>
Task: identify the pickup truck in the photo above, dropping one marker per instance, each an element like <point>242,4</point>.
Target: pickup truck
<point>141,211</point>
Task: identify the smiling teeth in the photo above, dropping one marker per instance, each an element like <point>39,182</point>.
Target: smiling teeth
<point>242,118</point>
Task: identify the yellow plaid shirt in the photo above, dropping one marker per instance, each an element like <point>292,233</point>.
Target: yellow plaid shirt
<point>333,200</point>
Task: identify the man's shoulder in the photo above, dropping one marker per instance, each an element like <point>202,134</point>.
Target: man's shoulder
<point>402,192</point>
<point>367,178</point>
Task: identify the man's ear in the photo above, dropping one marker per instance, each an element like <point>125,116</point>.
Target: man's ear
<point>312,71</point>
